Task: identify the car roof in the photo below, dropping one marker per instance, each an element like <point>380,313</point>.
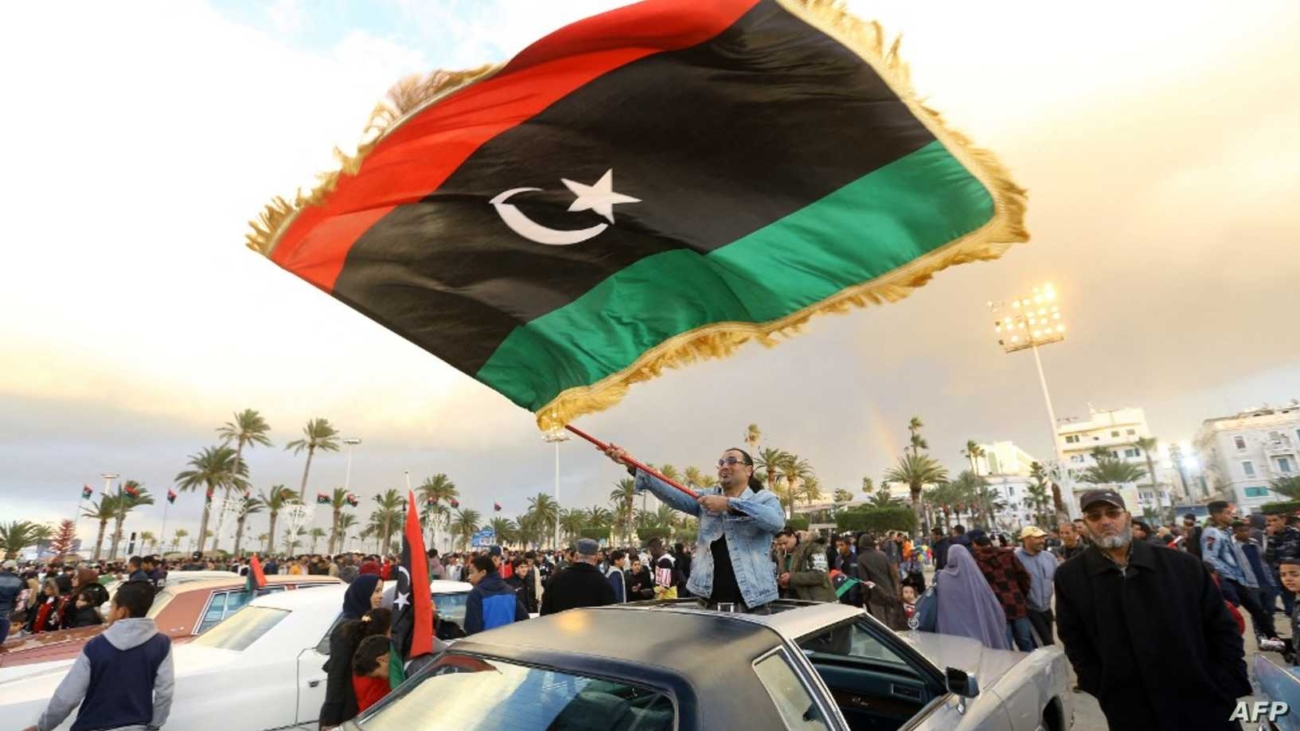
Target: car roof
<point>440,586</point>
<point>680,641</point>
<point>291,600</point>
<point>790,618</point>
<point>236,580</point>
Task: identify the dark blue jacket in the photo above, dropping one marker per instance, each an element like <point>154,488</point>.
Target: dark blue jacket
<point>491,604</point>
<point>1262,575</point>
<point>10,587</point>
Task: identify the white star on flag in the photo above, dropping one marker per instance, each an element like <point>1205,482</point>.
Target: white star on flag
<point>599,197</point>
<point>401,602</point>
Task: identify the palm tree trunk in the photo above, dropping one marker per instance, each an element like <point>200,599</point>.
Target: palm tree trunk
<point>221,518</point>
<point>203,525</point>
<point>270,534</point>
<point>239,533</point>
<point>334,529</point>
<point>302,491</point>
<point>99,539</point>
<point>117,537</point>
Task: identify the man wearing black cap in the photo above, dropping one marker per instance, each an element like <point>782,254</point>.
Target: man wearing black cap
<point>580,584</point>
<point>1146,629</point>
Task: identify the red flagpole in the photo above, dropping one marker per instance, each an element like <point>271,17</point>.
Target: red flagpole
<point>603,446</point>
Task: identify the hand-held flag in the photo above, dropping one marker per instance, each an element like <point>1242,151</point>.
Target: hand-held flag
<point>647,187</point>
<point>86,492</point>
<point>171,496</point>
<point>412,601</point>
<point>256,577</point>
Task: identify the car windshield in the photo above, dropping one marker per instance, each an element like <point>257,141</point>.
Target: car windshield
<point>451,607</point>
<point>239,631</point>
<point>484,694</point>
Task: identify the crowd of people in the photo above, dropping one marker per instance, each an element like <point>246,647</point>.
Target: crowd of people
<point>1149,618</point>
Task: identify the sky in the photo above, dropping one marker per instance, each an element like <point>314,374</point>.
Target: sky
<point>1159,144</point>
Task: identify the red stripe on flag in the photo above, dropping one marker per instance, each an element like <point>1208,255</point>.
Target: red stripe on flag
<point>421,597</point>
<point>419,156</point>
<point>255,571</point>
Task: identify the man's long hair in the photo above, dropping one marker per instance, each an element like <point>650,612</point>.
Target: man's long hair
<point>754,483</point>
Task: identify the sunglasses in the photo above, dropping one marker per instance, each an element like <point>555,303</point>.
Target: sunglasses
<point>730,461</point>
<point>1092,516</point>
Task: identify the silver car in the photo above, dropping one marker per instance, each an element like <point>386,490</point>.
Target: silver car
<point>675,665</point>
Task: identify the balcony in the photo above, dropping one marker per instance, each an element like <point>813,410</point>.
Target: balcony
<point>1279,447</point>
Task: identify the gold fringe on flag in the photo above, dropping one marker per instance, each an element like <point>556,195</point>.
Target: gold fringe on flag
<point>717,340</point>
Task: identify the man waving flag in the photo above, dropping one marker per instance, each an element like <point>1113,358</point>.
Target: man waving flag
<point>412,603</point>
<point>644,188</point>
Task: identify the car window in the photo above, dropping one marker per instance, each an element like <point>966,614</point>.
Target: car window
<point>216,611</point>
<point>792,699</point>
<point>243,629</point>
<point>852,641</point>
<point>480,694</point>
<point>323,647</point>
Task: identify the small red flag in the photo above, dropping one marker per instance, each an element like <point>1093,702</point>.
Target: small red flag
<point>256,579</point>
<point>455,503</point>
<point>496,507</point>
<point>171,496</point>
<point>86,492</point>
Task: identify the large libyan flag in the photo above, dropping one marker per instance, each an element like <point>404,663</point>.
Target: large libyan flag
<point>642,188</point>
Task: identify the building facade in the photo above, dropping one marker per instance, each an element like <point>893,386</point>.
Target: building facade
<point>1115,432</point>
<point>1244,453</point>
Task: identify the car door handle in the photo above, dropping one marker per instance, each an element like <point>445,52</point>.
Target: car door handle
<point>313,684</point>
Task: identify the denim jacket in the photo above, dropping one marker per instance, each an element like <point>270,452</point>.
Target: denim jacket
<point>1219,551</point>
<point>749,537</point>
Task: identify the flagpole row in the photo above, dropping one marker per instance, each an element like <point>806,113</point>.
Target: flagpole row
<point>603,446</point>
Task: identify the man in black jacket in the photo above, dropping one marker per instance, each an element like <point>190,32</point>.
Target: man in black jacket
<point>1146,629</point>
<point>579,585</point>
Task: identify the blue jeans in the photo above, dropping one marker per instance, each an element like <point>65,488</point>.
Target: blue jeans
<point>1020,634</point>
<point>4,630</point>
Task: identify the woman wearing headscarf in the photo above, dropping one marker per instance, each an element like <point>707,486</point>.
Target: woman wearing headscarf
<point>967,606</point>
<point>45,617</point>
<point>363,594</point>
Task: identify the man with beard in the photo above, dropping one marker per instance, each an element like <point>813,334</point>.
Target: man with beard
<point>1146,630</point>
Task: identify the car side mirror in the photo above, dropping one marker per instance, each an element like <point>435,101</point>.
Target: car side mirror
<point>962,683</point>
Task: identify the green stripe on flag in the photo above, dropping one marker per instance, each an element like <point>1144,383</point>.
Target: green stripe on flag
<point>866,229</point>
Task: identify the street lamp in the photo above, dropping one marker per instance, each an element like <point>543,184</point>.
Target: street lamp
<point>1025,324</point>
<point>555,436</point>
<point>347,479</point>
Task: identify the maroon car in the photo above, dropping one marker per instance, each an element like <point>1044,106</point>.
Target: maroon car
<point>181,612</point>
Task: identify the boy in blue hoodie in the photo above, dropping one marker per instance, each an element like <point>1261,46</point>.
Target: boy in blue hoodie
<point>123,678</point>
<point>492,602</point>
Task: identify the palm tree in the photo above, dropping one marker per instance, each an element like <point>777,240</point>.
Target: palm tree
<point>317,435</point>
<point>599,517</point>
<point>15,536</point>
<point>433,515</point>
<point>503,528</point>
<point>440,489</point>
<point>693,476</point>
<point>1288,487</point>
<point>917,470</point>
<point>769,460</point>
<point>148,539</point>
<point>883,499</point>
<point>1148,445</point>
<point>867,485</point>
<point>277,499</point>
<point>572,522</point>
<point>621,497</point>
<point>914,430</point>
<point>42,533</point>
<point>842,496</point>
<point>180,535</point>
<point>103,511</point>
<point>973,452</point>
<point>389,512</point>
<point>546,512</point>
<point>1038,500</point>
<point>464,525</point>
<point>292,540</point>
<point>126,502</point>
<point>213,468</point>
<point>811,491</point>
<point>527,531</point>
<point>794,470</point>
<point>752,435</point>
<point>247,428</point>
<point>248,506</point>
<point>347,521</point>
<point>338,501</point>
<point>1112,471</point>
<point>316,534</point>
<point>668,517</point>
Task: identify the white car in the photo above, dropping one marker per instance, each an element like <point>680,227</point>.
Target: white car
<point>259,669</point>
